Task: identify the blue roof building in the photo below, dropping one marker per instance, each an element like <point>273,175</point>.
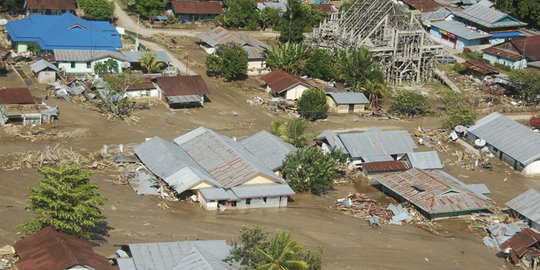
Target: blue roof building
<point>66,31</point>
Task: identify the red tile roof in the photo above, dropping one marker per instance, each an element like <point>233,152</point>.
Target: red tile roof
<point>279,80</point>
<point>182,85</point>
<point>385,166</point>
<point>51,4</point>
<point>480,67</point>
<point>144,85</point>
<point>196,7</point>
<point>528,46</point>
<point>16,96</point>
<point>423,5</point>
<point>52,250</point>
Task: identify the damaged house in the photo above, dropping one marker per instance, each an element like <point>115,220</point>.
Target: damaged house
<point>18,105</point>
<point>218,170</point>
<point>527,205</point>
<point>523,249</point>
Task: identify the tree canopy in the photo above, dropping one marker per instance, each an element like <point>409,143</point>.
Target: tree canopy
<point>229,61</point>
<point>320,65</point>
<point>289,57</point>
<point>98,10</point>
<point>409,103</point>
<point>149,63</point>
<point>527,83</point>
<point>312,104</point>
<point>356,67</point>
<point>459,114</point>
<point>240,14</point>
<point>66,200</point>
<point>280,254</point>
<point>269,18</point>
<point>292,131</point>
<point>110,66</point>
<point>293,22</point>
<point>12,5</point>
<point>527,10</point>
<point>150,7</point>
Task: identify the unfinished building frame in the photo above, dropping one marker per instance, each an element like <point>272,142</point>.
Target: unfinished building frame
<point>398,41</point>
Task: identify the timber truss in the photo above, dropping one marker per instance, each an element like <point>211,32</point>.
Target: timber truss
<point>398,41</point>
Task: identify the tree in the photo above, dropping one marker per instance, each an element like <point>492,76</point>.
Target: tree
<point>230,61</point>
<point>320,65</point>
<point>375,89</point>
<point>149,7</point>
<point>114,99</point>
<point>459,115</point>
<point>356,67</point>
<point>280,254</point>
<point>309,169</point>
<point>527,83</point>
<point>34,49</point>
<point>312,104</point>
<point>240,14</point>
<point>149,63</point>
<point>269,18</point>
<point>528,10</point>
<point>110,66</point>
<point>65,200</point>
<point>12,5</point>
<point>98,10</point>
<point>289,57</point>
<point>409,103</point>
<point>293,22</point>
<point>291,132</point>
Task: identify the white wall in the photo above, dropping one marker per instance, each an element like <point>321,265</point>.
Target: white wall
<point>144,93</point>
<point>295,92</point>
<point>532,169</point>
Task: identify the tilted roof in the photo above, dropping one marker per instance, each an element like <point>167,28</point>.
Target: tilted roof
<point>521,243</point>
<point>280,81</point>
<point>436,15</point>
<point>220,35</point>
<point>488,17</point>
<point>459,29</point>
<point>16,96</point>
<point>41,65</point>
<point>268,148</point>
<point>332,138</point>
<point>480,67</point>
<point>509,136</point>
<point>53,250</point>
<point>51,4</point>
<point>182,85</point>
<point>433,191</point>
<point>145,84</point>
<point>348,97</point>
<point>425,160</point>
<point>135,56</point>
<point>57,32</point>
<point>527,204</point>
<point>85,55</point>
<point>226,160</point>
<point>197,7</point>
<point>517,48</point>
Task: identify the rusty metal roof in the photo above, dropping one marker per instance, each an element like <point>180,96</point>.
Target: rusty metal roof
<point>51,4</point>
<point>182,85</point>
<point>480,67</point>
<point>144,85</point>
<point>16,96</point>
<point>423,5</point>
<point>280,81</point>
<point>197,7</point>
<point>385,166</point>
<point>526,241</point>
<point>433,191</point>
<point>53,250</point>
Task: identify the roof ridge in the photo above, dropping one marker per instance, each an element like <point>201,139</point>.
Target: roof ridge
<point>64,244</point>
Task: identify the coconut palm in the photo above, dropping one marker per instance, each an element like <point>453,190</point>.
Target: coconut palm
<point>375,90</point>
<point>149,63</point>
<point>280,254</point>
<point>356,66</point>
<point>287,56</point>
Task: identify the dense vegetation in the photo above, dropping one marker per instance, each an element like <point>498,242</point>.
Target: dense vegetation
<point>98,10</point>
<point>527,10</point>
<point>229,61</point>
<point>312,104</point>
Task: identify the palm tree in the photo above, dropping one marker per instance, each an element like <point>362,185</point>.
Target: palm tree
<point>280,254</point>
<point>375,90</point>
<point>149,63</point>
<point>356,66</point>
<point>295,132</point>
<point>287,56</point>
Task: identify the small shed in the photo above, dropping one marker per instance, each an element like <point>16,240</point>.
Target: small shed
<point>44,71</point>
<point>347,102</point>
<point>182,91</point>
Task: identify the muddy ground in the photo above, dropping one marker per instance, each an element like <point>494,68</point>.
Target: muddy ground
<point>348,242</point>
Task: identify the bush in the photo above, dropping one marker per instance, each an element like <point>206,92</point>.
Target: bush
<point>459,115</point>
<point>291,132</point>
<point>448,97</point>
<point>320,65</point>
<point>229,61</point>
<point>409,103</point>
<point>459,68</point>
<point>312,104</point>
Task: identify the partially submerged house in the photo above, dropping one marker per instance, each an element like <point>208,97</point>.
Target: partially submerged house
<point>515,53</point>
<point>347,102</point>
<point>523,249</point>
<point>220,171</point>
<point>84,61</point>
<point>510,141</point>
<point>50,7</point>
<point>44,71</point>
<point>182,91</point>
<point>58,32</point>
<point>200,254</point>
<point>194,11</point>
<point>527,205</point>
<point>286,85</point>
<point>53,250</point>
<point>268,148</point>
<point>434,193</point>
<point>254,47</point>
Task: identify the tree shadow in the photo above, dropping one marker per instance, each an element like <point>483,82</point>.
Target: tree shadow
<point>99,233</point>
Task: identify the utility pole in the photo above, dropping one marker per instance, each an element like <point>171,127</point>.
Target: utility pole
<point>137,39</point>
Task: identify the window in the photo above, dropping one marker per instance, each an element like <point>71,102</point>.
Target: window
<point>88,64</point>
<point>72,64</point>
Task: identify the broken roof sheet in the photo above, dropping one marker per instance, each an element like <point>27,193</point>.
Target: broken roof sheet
<point>509,136</point>
<point>332,138</point>
<point>220,35</point>
<point>527,204</point>
<point>521,243</point>
<point>262,190</point>
<point>459,29</point>
<point>348,97</point>
<point>41,65</point>
<point>433,191</point>
<point>135,56</point>
<point>268,148</point>
<point>377,143</point>
<point>488,17</point>
<point>280,81</point>
<point>425,160</point>
<point>480,67</point>
<point>226,160</point>
<point>197,259</point>
<point>144,184</point>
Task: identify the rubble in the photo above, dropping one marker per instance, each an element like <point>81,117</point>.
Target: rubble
<point>7,257</point>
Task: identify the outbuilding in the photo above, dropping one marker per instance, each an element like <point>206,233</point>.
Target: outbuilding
<point>84,61</point>
<point>347,102</point>
<point>44,71</point>
<point>286,85</point>
<point>527,205</point>
<point>182,91</point>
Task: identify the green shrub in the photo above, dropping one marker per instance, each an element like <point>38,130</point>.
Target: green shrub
<point>459,115</point>
<point>409,103</point>
<point>459,68</point>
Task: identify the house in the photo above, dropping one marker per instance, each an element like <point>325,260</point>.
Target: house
<point>268,148</point>
<point>254,47</point>
<point>480,69</point>
<point>283,84</point>
<point>54,250</point>
<point>44,71</point>
<point>145,88</point>
<point>84,61</point>
<point>134,57</point>
<point>523,249</point>
<point>57,32</point>
<point>510,141</point>
<point>218,170</point>
<point>440,14</point>
<point>182,91</point>
<point>346,102</point>
<point>200,254</point>
<point>423,160</point>
<point>514,53</point>
<point>482,18</point>
<point>456,34</point>
<point>371,168</point>
<point>50,7</point>
<point>422,5</point>
<point>191,11</point>
<point>18,105</point>
<point>434,193</point>
<point>527,205</point>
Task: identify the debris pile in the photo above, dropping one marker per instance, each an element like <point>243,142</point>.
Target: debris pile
<point>498,227</point>
<point>41,133</point>
<point>432,138</point>
<point>7,257</point>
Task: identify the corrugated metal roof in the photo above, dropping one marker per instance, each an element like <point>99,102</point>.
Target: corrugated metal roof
<point>478,188</point>
<point>51,4</point>
<point>280,81</point>
<point>262,190</point>
<point>16,96</point>
<point>41,65</point>
<point>226,160</point>
<point>218,194</point>
<point>332,138</point>
<point>523,242</point>
<point>437,15</point>
<point>375,158</point>
<point>126,264</point>
<point>425,160</point>
<point>186,99</point>
<point>268,148</point>
<point>220,35</point>
<point>527,204</point>
<point>85,55</point>
<point>144,184</point>
<point>182,85</point>
<point>459,30</point>
<point>480,67</point>
<point>201,260</point>
<point>433,191</point>
<point>487,17</point>
<point>423,5</point>
<point>348,97</point>
<point>197,7</point>
<point>135,56</point>
<point>509,136</point>
<point>168,255</point>
<point>385,166</point>
<point>378,143</point>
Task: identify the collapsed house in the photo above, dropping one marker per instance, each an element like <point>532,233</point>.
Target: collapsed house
<point>219,171</point>
<point>510,141</point>
<point>434,193</point>
<point>523,249</point>
<point>18,105</point>
<point>396,39</point>
<point>527,205</point>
